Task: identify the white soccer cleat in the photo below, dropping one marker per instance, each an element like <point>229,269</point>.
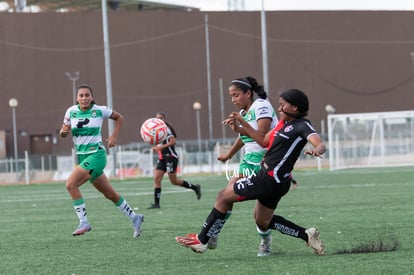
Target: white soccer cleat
<point>136,223</point>
<point>212,243</point>
<point>314,241</point>
<point>82,229</point>
<point>264,246</point>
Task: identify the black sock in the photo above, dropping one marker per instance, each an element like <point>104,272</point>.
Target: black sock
<point>188,185</point>
<point>287,227</point>
<point>157,195</point>
<point>212,226</point>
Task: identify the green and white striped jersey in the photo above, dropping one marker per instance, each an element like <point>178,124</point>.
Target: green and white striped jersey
<point>261,108</point>
<point>86,127</point>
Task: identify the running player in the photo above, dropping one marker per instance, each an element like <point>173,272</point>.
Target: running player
<point>84,121</point>
<point>168,162</point>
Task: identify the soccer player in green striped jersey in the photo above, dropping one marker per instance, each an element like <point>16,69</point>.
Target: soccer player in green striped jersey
<point>84,121</point>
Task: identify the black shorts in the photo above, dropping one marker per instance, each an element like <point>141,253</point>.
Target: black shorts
<point>263,188</point>
<point>168,165</point>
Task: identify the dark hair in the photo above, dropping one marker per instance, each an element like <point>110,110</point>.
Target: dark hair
<point>299,99</point>
<point>85,86</point>
<point>169,125</point>
<point>250,83</point>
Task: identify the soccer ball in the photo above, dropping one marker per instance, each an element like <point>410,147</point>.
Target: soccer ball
<point>154,131</point>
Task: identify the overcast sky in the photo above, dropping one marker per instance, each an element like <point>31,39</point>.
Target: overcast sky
<point>222,5</point>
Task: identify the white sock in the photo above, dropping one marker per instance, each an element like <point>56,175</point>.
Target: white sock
<point>263,234</point>
<point>126,209</point>
<point>81,212</point>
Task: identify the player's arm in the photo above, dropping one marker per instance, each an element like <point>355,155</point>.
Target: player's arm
<point>119,119</point>
<point>263,125</point>
<point>171,141</point>
<point>319,147</point>
<point>237,145</point>
<point>238,124</point>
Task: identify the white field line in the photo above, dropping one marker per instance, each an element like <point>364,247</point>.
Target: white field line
<point>128,192</point>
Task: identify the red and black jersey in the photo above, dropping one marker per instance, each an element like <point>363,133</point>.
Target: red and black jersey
<point>285,145</point>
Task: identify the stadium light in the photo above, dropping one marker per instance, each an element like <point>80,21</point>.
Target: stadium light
<point>13,104</point>
<point>330,109</point>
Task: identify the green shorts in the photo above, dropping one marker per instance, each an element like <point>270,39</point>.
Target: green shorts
<point>250,164</point>
<point>95,163</point>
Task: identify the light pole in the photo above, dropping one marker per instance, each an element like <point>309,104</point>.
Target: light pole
<point>73,79</point>
<point>13,104</point>
<point>197,107</point>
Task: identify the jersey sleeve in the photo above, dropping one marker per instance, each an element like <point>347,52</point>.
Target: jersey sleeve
<point>66,119</point>
<point>106,111</point>
<point>307,129</point>
<point>263,109</point>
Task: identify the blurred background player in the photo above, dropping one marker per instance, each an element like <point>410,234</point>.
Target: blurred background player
<point>167,163</point>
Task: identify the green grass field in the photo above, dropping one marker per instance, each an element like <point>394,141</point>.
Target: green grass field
<point>351,208</point>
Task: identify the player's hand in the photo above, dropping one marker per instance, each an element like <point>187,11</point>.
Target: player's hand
<point>313,153</point>
<point>111,141</point>
<point>223,158</point>
<point>65,130</point>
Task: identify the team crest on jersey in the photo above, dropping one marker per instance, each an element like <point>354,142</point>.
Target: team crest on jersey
<point>288,129</point>
<point>93,113</point>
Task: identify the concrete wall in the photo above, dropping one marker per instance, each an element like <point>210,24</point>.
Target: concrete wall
<point>355,61</point>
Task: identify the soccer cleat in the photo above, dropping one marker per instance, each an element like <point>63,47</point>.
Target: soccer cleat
<point>314,241</point>
<point>136,223</point>
<point>154,206</point>
<point>82,228</point>
<point>212,243</point>
<point>264,246</point>
<point>191,240</point>
<point>198,191</point>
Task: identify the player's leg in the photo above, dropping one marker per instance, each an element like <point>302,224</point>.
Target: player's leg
<point>265,216</point>
<point>214,221</point>
<point>172,165</point>
<point>266,219</point>
<point>79,176</point>
<point>158,175</point>
<point>103,185</point>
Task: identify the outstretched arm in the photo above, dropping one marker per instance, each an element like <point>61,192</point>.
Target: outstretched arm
<point>319,147</point>
<point>237,145</point>
<point>119,119</point>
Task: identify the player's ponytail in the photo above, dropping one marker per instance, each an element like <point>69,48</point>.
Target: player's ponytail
<point>258,89</point>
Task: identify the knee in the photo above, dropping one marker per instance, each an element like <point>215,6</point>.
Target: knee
<point>70,185</point>
<point>224,196</point>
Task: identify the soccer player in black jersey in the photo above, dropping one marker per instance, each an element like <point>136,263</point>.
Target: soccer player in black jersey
<point>167,163</point>
<point>284,144</point>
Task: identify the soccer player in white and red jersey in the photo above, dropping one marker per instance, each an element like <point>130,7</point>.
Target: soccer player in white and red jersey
<point>84,121</point>
<point>284,145</point>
